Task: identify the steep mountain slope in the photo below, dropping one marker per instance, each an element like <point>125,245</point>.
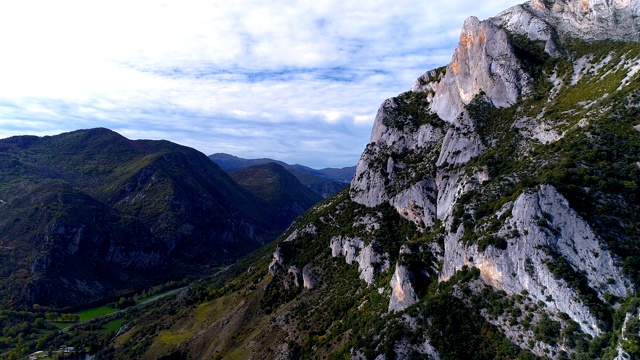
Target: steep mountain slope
<point>279,187</point>
<point>493,215</point>
<point>325,182</point>
<point>89,214</point>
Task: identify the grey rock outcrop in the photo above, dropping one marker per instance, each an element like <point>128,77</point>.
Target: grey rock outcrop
<point>451,185</point>
<point>459,144</point>
<point>137,259</point>
<point>428,83</point>
<point>309,229</point>
<point>417,203</point>
<point>624,336</point>
<point>278,261</point>
<point>545,224</point>
<point>306,277</point>
<point>402,293</point>
<point>40,264</point>
<point>309,277</point>
<point>484,61</point>
<point>347,247</point>
<point>297,276</point>
<point>370,185</point>
<point>355,250</point>
<point>586,19</point>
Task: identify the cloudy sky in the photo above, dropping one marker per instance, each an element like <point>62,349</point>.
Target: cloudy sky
<point>299,81</point>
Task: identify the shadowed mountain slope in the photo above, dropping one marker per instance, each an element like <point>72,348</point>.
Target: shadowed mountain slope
<point>279,187</point>
<point>88,214</point>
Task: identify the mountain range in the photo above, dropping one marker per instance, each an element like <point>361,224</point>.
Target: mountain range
<point>493,215</point>
<point>90,215</point>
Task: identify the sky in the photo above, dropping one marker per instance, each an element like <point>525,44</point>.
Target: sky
<point>297,81</point>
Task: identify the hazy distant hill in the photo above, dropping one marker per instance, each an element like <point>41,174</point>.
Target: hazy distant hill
<point>230,162</point>
<point>89,213</point>
<point>325,182</point>
<point>275,184</point>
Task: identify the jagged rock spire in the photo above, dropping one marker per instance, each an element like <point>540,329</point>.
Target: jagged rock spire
<point>483,62</point>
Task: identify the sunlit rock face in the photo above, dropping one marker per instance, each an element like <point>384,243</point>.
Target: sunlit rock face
<point>483,62</point>
<point>402,293</point>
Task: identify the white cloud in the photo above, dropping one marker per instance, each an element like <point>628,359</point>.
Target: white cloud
<point>295,80</point>
<point>364,119</point>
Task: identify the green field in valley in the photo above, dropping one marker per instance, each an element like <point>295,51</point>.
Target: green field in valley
<point>86,315</point>
<point>114,325</point>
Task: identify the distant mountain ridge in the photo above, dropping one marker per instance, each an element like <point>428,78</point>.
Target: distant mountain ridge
<point>279,187</point>
<point>230,162</point>
<point>325,182</point>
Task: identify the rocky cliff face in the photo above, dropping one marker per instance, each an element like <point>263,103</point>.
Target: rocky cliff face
<point>586,19</point>
<point>495,64</point>
<point>541,228</point>
<point>483,61</point>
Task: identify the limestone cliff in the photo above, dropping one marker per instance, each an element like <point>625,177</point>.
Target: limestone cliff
<point>497,65</point>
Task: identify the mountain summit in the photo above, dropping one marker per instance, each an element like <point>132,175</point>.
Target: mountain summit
<point>492,215</point>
